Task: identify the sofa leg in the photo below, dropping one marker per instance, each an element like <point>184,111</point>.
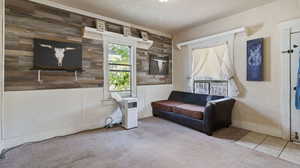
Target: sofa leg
<point>227,125</point>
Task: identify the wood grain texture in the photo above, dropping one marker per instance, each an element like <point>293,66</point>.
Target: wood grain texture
<point>27,20</point>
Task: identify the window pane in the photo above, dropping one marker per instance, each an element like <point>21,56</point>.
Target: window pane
<point>119,81</point>
<point>120,68</point>
<point>119,54</point>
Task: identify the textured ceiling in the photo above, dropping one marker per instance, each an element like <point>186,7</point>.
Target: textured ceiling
<point>169,17</point>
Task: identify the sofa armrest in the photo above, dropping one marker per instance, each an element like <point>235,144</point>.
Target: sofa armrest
<point>222,101</point>
<point>222,106</point>
<point>209,115</point>
<point>218,114</point>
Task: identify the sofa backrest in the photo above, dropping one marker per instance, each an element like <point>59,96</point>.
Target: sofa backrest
<point>191,98</point>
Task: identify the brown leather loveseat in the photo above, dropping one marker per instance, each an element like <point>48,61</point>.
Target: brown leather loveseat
<point>204,113</point>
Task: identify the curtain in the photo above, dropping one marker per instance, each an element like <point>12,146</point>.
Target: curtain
<point>214,63</point>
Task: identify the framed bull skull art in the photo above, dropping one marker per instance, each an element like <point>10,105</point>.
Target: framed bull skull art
<point>158,65</point>
<point>54,55</point>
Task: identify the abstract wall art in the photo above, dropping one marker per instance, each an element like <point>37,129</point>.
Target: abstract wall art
<point>255,54</point>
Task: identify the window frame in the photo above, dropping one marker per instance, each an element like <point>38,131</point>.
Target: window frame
<point>128,65</point>
<point>127,41</point>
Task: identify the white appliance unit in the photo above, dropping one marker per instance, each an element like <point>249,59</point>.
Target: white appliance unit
<point>129,109</point>
<point>130,113</point>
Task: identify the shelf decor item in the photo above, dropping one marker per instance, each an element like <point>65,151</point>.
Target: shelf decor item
<point>145,36</point>
<point>126,31</point>
<point>100,25</point>
<point>255,54</point>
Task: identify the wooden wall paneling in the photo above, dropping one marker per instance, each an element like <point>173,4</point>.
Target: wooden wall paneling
<point>26,20</point>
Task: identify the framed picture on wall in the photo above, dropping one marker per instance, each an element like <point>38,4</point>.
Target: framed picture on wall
<point>158,65</point>
<point>255,57</point>
<point>55,55</point>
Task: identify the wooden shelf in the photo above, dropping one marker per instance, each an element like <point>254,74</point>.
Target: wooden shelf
<point>92,33</point>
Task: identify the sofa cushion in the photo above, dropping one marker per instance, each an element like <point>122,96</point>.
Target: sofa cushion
<point>189,98</point>
<point>190,110</point>
<point>178,96</point>
<point>165,105</point>
<point>196,99</point>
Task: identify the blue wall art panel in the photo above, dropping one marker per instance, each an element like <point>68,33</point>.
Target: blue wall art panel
<point>255,53</point>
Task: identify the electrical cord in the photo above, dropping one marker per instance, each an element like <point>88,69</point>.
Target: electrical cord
<point>5,151</point>
<point>109,122</point>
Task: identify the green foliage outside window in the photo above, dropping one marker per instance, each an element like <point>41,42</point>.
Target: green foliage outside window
<point>119,54</point>
<point>119,81</point>
<point>120,72</point>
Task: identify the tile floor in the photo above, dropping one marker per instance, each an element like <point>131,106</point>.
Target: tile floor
<point>273,146</point>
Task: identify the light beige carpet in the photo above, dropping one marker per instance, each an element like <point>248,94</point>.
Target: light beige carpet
<point>155,144</point>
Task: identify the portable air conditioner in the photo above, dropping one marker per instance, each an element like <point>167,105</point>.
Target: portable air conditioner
<point>130,113</point>
<point>129,109</point>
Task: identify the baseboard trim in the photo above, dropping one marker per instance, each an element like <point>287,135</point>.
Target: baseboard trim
<point>263,129</point>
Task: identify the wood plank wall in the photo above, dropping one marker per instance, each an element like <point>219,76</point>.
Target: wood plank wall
<point>27,20</point>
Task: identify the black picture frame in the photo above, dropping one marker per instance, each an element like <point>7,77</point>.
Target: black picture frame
<point>158,65</point>
<point>57,56</point>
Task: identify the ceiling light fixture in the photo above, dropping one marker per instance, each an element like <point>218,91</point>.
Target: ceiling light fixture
<point>163,1</point>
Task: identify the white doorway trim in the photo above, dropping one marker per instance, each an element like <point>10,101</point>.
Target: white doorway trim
<point>2,55</point>
<point>286,29</point>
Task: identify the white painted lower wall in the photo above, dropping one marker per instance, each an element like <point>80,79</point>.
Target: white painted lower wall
<point>2,147</point>
<point>38,115</point>
<point>259,106</point>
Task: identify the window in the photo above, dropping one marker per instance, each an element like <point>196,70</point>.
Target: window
<point>212,70</point>
<point>119,67</point>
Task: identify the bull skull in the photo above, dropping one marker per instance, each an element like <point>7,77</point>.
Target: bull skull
<point>59,53</point>
<point>160,64</point>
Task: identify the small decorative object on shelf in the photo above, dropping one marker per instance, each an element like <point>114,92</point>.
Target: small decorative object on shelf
<point>145,36</point>
<point>100,25</point>
<point>126,31</point>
